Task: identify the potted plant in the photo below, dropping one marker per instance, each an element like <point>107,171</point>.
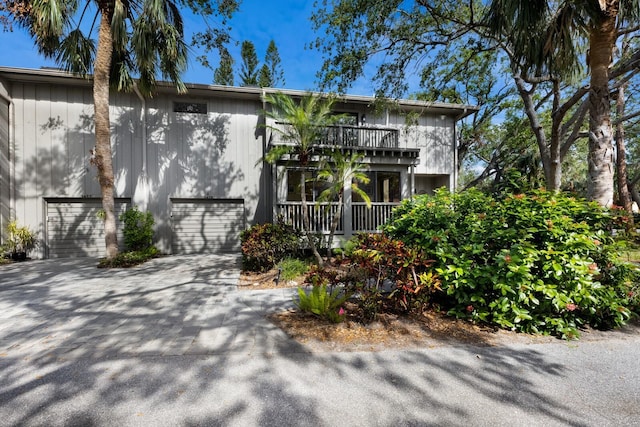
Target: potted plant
<point>20,241</point>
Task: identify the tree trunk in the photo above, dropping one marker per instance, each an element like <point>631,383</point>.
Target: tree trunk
<point>601,167</point>
<point>621,161</point>
<point>633,192</point>
<point>550,156</point>
<point>102,156</point>
<point>305,219</point>
<point>334,226</point>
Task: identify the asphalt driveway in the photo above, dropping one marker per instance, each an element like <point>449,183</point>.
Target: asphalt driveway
<point>173,343</point>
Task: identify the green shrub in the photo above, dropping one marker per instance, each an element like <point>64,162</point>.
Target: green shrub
<point>351,245</point>
<point>292,268</point>
<point>264,245</point>
<point>324,303</point>
<point>18,239</point>
<point>406,268</point>
<point>129,259</point>
<point>541,262</point>
<point>137,230</point>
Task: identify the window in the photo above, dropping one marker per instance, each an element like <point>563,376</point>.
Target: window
<point>190,107</point>
<point>388,187</point>
<point>350,119</point>
<point>382,187</point>
<point>313,189</point>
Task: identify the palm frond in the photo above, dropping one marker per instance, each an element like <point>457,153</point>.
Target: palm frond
<point>76,53</point>
<point>629,10</point>
<point>542,39</point>
<point>51,17</point>
<point>276,153</point>
<point>121,72</point>
<point>119,32</point>
<point>47,22</point>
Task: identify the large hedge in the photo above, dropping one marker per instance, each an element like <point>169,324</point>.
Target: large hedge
<point>541,262</point>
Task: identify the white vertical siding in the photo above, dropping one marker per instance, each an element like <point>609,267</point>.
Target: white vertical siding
<point>433,135</point>
<point>78,139</point>
<point>5,167</point>
<point>189,156</point>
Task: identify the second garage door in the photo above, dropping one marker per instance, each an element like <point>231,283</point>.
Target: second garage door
<point>206,226</point>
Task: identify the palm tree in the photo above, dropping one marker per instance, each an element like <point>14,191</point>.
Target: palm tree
<point>561,26</point>
<point>339,170</point>
<point>302,125</point>
<point>135,37</point>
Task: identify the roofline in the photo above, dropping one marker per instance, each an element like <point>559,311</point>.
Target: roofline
<point>52,75</point>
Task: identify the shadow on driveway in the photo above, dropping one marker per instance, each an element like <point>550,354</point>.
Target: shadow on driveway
<point>174,343</point>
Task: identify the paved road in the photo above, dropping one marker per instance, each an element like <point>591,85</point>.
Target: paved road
<point>173,343</point>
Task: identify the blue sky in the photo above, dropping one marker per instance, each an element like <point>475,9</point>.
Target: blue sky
<point>285,21</point>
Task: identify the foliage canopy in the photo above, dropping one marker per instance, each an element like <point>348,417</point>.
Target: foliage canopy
<point>540,262</point>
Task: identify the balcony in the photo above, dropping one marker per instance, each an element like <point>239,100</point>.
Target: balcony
<point>358,137</point>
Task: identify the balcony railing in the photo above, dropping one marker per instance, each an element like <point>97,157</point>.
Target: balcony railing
<point>355,137</point>
<point>320,216</point>
<point>369,219</point>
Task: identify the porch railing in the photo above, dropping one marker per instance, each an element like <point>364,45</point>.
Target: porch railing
<point>320,216</point>
<point>356,137</point>
<point>368,220</point>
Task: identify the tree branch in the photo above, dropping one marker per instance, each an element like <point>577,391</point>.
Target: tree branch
<point>626,117</point>
<point>577,96</point>
<point>578,119</point>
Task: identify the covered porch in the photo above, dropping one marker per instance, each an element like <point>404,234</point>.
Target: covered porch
<point>388,185</point>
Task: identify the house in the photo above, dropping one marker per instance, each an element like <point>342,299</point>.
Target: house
<point>195,161</point>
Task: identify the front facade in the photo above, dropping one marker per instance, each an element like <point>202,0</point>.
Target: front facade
<point>195,162</point>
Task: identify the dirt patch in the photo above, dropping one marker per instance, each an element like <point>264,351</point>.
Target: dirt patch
<point>268,280</point>
<point>429,330</point>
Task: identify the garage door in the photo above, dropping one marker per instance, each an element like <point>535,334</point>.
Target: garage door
<point>75,228</point>
<point>206,226</point>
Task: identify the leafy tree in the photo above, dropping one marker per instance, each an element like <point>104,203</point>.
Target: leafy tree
<point>143,38</point>
<point>264,77</point>
<point>301,124</point>
<point>462,78</point>
<point>458,61</point>
<point>563,28</point>
<point>216,39</point>
<point>13,11</point>
<point>272,62</point>
<point>443,38</point>
<point>249,66</point>
<point>622,175</point>
<point>271,74</point>
<point>223,75</point>
<point>509,155</point>
<point>340,170</point>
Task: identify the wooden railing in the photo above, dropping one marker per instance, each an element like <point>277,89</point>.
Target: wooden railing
<point>356,136</point>
<point>369,219</point>
<point>320,216</point>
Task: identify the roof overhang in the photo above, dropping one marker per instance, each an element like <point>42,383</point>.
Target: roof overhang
<point>56,76</point>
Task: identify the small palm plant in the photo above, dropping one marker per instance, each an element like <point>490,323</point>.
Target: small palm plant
<point>340,170</point>
<point>305,123</point>
<point>19,240</point>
